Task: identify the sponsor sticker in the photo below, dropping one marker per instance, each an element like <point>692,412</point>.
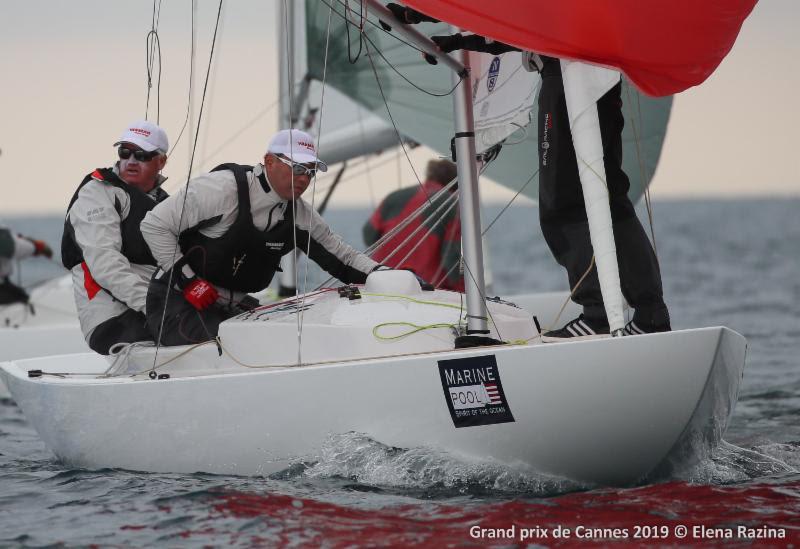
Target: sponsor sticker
<point>494,70</point>
<point>474,392</point>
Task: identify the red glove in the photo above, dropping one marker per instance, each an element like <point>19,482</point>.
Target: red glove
<point>200,293</point>
<point>40,247</point>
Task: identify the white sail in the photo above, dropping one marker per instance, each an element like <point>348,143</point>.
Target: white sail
<point>583,86</point>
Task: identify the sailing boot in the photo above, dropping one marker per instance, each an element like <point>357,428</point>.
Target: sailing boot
<point>580,328</point>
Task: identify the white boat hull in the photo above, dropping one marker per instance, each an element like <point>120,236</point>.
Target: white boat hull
<point>610,411</point>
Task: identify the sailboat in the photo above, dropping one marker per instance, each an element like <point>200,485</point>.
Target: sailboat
<point>46,325</point>
<point>404,366</point>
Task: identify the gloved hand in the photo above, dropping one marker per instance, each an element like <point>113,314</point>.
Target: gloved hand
<point>424,284</point>
<point>248,303</point>
<point>41,248</point>
<point>200,293</point>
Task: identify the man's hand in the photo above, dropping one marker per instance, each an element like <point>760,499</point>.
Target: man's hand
<point>200,293</point>
<point>41,248</point>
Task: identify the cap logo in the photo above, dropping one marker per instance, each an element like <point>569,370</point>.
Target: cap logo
<point>140,131</point>
<point>306,144</point>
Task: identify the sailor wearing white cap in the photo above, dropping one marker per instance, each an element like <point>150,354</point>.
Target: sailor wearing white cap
<point>102,245</point>
<point>231,227</point>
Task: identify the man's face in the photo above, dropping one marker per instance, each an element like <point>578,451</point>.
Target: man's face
<point>288,185</point>
<point>142,174</point>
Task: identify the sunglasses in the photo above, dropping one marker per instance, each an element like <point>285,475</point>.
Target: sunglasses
<point>142,156</point>
<point>298,169</point>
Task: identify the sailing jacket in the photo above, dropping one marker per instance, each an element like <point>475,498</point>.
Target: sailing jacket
<point>12,247</point>
<point>436,245</point>
<point>235,230</point>
<point>103,248</point>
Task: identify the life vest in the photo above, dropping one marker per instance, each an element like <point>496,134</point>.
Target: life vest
<point>134,247</point>
<point>244,258</point>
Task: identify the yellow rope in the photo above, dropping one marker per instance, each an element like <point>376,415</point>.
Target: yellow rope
<point>415,328</point>
<point>420,301</point>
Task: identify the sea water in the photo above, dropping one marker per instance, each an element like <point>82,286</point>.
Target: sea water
<point>734,263</point>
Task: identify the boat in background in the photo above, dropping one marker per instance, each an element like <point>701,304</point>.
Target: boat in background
<point>48,325</point>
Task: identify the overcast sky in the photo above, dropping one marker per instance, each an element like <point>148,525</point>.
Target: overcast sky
<point>73,76</point>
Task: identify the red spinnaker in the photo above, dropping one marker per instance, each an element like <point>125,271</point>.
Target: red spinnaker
<point>663,46</point>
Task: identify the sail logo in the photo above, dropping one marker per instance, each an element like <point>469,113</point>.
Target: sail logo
<point>473,391</point>
<point>494,71</point>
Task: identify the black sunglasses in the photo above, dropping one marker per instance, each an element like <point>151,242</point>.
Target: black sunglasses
<point>142,156</point>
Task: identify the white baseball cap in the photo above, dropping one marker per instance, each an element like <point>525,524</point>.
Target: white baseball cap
<point>297,146</point>
<point>146,135</point>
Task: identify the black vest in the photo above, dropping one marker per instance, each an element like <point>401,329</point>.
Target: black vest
<point>244,258</point>
<point>134,248</point>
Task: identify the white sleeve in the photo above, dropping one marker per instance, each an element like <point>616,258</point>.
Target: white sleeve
<point>161,227</point>
<point>22,247</point>
<point>328,249</point>
<point>97,231</point>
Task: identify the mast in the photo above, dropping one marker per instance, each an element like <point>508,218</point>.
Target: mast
<point>286,118</point>
<point>469,198</point>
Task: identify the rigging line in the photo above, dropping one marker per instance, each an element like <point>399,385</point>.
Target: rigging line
<point>213,81</point>
<point>482,293</point>
<point>571,293</point>
<point>240,131</point>
<point>391,65</point>
<point>380,28</point>
<point>290,61</point>
<point>444,277</point>
<point>400,226</point>
<point>301,310</point>
<point>347,23</point>
<point>437,197</point>
<point>186,190</point>
<point>391,118</point>
<point>640,160</point>
<point>153,44</point>
<point>192,53</point>
<point>430,230</point>
<point>497,217</point>
<point>326,183</point>
<point>404,77</point>
<point>513,198</point>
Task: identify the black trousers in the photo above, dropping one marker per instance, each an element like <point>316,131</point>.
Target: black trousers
<point>562,212</point>
<point>11,293</point>
<point>129,327</point>
<point>183,324</point>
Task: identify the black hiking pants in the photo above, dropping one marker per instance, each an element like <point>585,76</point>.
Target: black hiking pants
<point>562,212</point>
<point>183,324</point>
<point>129,327</point>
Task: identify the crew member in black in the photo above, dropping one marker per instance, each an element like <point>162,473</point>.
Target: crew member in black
<point>223,235</point>
<point>102,245</point>
<point>562,212</point>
